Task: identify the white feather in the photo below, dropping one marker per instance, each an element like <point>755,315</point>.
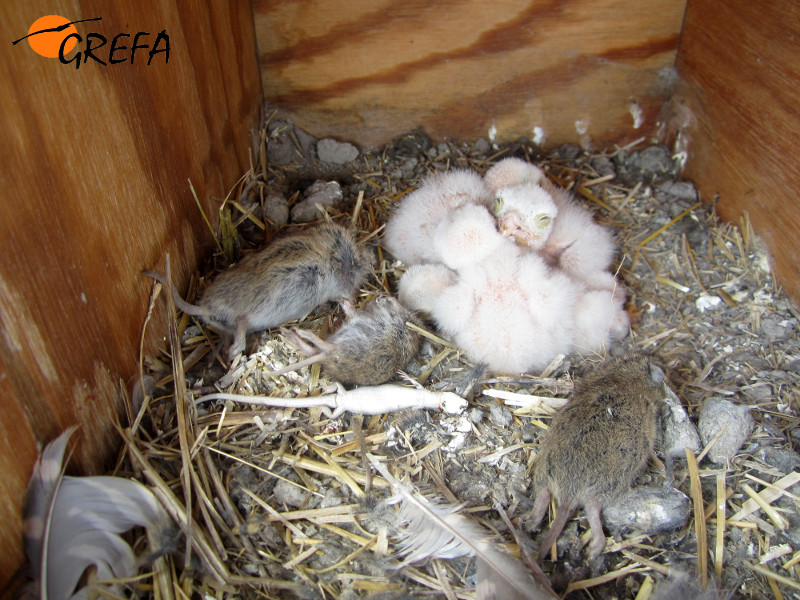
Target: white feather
<point>72,523</point>
<point>435,531</point>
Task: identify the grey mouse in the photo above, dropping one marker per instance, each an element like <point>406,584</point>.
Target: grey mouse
<point>280,283</point>
<point>368,349</point>
<point>598,443</point>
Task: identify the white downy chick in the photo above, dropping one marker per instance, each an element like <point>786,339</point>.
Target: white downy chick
<point>510,172</point>
<point>464,237</point>
<point>600,319</point>
<point>421,285</point>
<point>509,311</point>
<point>467,236</point>
<point>577,245</point>
<point>526,213</point>
<point>409,231</point>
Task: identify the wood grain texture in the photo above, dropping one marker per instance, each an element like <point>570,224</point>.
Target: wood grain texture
<point>368,71</point>
<point>737,112</point>
<point>95,164</point>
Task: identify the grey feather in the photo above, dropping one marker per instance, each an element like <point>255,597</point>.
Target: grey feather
<point>429,530</point>
<point>72,523</point>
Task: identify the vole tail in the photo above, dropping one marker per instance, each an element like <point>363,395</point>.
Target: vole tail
<point>179,302</point>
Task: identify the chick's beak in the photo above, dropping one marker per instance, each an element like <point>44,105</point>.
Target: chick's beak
<point>512,225</point>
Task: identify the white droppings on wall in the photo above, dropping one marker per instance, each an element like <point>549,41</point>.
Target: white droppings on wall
<point>582,127</point>
<point>538,135</point>
<point>492,133</point>
<point>637,113</point>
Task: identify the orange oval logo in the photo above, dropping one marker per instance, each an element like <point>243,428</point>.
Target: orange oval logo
<point>54,29</point>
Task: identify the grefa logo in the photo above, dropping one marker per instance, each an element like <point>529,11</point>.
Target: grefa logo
<point>54,36</point>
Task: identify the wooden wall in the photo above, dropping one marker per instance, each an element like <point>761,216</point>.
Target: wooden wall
<point>95,163</point>
<point>368,71</point>
<point>736,108</point>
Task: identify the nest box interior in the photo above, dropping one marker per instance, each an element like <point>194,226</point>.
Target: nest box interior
<point>104,164</point>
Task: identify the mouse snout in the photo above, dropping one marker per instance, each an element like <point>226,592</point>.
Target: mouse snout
<point>351,268</point>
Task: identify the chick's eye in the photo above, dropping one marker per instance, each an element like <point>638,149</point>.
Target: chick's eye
<point>498,205</point>
<point>542,220</point>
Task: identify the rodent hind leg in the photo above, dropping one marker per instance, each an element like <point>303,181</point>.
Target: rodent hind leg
<point>308,341</point>
<point>593,510</point>
<point>540,505</point>
<point>239,337</point>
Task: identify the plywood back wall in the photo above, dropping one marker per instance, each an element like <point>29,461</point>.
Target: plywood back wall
<point>95,163</point>
<point>585,71</point>
<point>738,116</point>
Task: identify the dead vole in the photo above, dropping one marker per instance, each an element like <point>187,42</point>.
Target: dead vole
<point>598,443</point>
<point>368,349</point>
<point>284,281</point>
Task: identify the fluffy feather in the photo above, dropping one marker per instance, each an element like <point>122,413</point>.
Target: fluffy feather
<point>409,231</point>
<point>511,172</point>
<point>429,530</point>
<point>600,319</point>
<point>72,523</point>
<point>526,213</point>
<point>466,236</point>
<point>509,311</point>
<point>579,246</point>
<point>576,244</point>
<point>421,285</point>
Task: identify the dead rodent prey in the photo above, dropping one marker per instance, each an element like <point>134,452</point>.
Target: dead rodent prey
<point>365,400</point>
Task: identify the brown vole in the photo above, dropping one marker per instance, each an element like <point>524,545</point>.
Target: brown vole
<point>598,443</point>
<point>368,349</point>
<point>284,281</point>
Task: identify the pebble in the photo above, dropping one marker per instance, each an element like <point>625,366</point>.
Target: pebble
<point>338,153</point>
<point>603,165</point>
<point>783,459</point>
<point>289,494</point>
<point>281,149</point>
<point>499,415</point>
<point>718,412</point>
<point>777,329</point>
<point>482,145</point>
<point>684,190</point>
<point>679,431</point>
<point>655,160</point>
<point>320,192</point>
<point>276,210</point>
<point>649,509</point>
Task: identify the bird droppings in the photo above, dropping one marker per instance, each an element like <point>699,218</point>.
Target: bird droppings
<point>308,537</point>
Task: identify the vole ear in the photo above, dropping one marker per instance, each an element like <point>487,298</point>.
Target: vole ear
<point>656,374</point>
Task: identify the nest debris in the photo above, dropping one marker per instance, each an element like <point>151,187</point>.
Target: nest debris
<point>281,503</point>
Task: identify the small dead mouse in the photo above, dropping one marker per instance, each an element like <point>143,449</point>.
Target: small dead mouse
<point>284,281</point>
<point>598,444</point>
<point>368,349</point>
